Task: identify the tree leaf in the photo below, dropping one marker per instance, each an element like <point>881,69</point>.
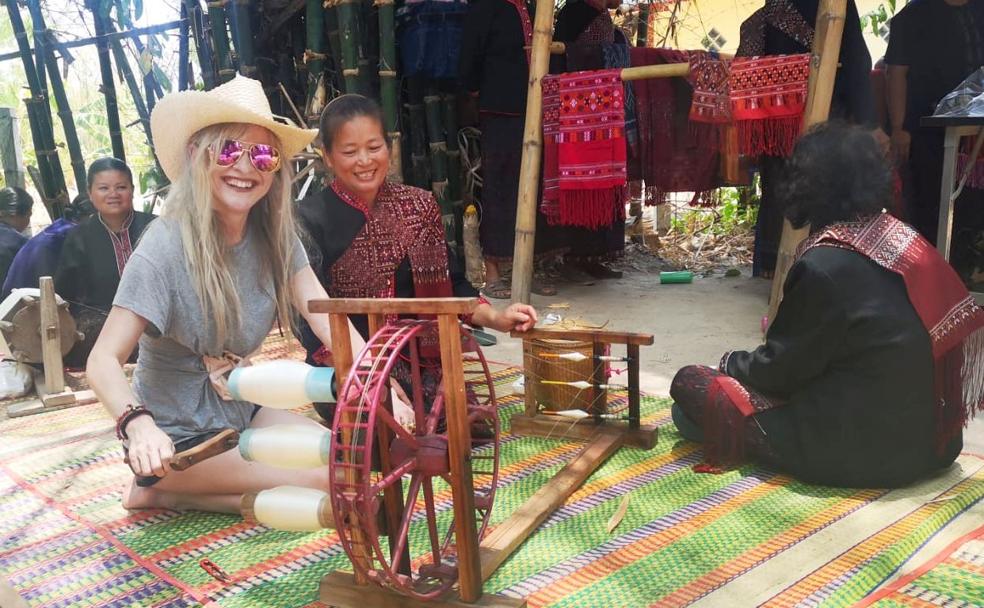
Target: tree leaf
<point>137,9</point>
<point>146,62</point>
<point>162,78</point>
<point>619,514</point>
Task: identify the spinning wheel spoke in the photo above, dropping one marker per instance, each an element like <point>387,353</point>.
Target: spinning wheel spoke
<point>432,520</point>
<point>412,495</point>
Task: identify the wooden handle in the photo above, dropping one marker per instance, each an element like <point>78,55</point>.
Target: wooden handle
<point>222,442</point>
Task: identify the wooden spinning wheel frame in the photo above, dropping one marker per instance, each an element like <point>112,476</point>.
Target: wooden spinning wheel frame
<point>373,454</point>
<point>364,424</point>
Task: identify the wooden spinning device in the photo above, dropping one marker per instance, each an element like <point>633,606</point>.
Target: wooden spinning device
<point>386,474</point>
<point>587,385</point>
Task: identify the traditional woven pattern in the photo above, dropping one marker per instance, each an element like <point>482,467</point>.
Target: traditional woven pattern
<point>584,149</point>
<point>955,577</point>
<point>768,96</point>
<point>745,537</point>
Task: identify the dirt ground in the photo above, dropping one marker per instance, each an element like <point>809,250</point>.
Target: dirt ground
<point>691,323</point>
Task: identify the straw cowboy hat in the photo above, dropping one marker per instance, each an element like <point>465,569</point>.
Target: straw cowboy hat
<point>178,116</point>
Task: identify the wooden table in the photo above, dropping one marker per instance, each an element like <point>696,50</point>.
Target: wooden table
<point>956,129</point>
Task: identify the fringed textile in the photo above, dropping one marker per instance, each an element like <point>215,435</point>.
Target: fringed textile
<point>710,111</point>
<point>669,155</point>
<point>975,179</point>
<point>951,316</point>
<point>584,149</point>
<point>768,97</point>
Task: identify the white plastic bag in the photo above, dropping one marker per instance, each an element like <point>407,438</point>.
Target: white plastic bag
<point>15,379</point>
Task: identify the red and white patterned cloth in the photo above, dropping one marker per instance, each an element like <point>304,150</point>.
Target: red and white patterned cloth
<point>584,148</point>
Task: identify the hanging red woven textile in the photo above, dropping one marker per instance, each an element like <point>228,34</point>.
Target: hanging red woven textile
<point>768,97</point>
<point>671,160</point>
<point>584,149</point>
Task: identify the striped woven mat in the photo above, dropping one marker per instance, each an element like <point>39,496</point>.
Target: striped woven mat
<point>953,578</point>
<point>746,537</point>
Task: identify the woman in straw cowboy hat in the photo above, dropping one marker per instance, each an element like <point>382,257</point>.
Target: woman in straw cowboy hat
<point>207,281</point>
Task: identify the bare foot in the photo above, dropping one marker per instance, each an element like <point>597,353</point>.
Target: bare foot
<point>135,497</point>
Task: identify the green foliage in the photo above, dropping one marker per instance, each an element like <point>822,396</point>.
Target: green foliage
<point>736,210</point>
<point>88,103</point>
<point>875,19</point>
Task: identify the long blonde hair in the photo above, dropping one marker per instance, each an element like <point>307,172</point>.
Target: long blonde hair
<point>190,204</point>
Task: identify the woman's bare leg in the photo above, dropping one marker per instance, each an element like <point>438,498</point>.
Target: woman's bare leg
<point>218,483</point>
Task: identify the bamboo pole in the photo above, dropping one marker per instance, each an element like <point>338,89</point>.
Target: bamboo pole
<point>108,84</point>
<point>123,65</point>
<point>79,42</point>
<point>40,52</point>
<point>47,188</point>
<point>439,162</point>
<point>220,40</point>
<point>642,29</point>
<point>202,48</point>
<point>449,104</point>
<point>367,38</point>
<point>244,38</point>
<point>418,133</point>
<point>335,44</point>
<point>10,148</point>
<point>388,85</point>
<point>823,70</point>
<point>349,37</point>
<point>67,120</point>
<point>57,196</point>
<point>314,52</point>
<point>184,65</point>
<point>529,172</point>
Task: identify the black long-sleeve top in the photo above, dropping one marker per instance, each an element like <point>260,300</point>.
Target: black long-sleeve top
<point>853,99</point>
<point>11,242</point>
<point>329,226</point>
<point>87,274</point>
<point>493,61</point>
<point>852,358</point>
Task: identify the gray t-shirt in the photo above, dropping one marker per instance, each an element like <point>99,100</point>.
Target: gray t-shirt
<point>170,378</point>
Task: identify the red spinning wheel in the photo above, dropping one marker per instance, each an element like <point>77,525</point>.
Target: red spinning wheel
<point>419,562</point>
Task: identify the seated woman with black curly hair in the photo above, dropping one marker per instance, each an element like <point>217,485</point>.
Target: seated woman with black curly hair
<point>875,359</point>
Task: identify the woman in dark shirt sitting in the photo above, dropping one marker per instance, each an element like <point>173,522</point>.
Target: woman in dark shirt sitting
<point>96,251</point>
<point>871,368</point>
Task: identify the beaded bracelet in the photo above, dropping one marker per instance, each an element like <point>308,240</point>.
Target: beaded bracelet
<point>129,413</point>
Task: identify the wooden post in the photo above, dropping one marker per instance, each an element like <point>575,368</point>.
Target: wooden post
<point>635,401</point>
<point>529,169</point>
<point>823,70</point>
<point>54,373</point>
<point>10,148</point>
<point>459,455</point>
<point>510,534</point>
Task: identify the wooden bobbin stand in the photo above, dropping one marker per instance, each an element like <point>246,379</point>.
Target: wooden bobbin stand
<point>534,422</point>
